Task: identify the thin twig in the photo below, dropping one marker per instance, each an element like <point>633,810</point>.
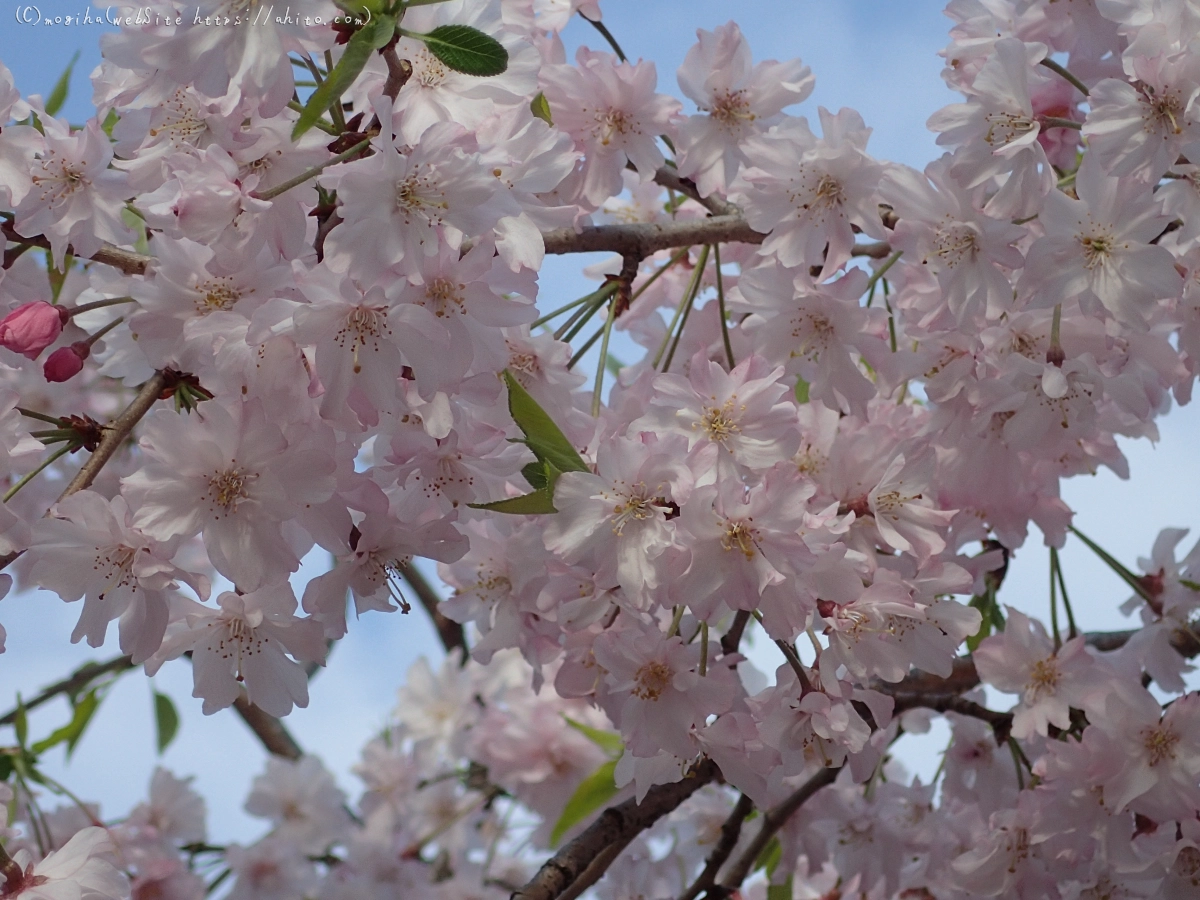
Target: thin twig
<point>72,684</point>
<point>268,729</point>
<point>450,632</point>
<point>773,820</point>
<point>115,434</point>
<point>731,830</point>
<point>733,637</point>
<point>616,825</point>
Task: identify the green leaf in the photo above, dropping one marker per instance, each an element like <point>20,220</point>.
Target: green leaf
<point>58,96</point>
<point>21,722</point>
<point>56,277</point>
<point>466,49</point>
<point>783,891</point>
<point>608,741</point>
<point>538,503</point>
<point>542,436</point>
<point>166,720</point>
<point>770,857</point>
<point>1191,585</point>
<point>540,107</point>
<point>993,618</point>
<point>358,51</point>
<point>70,733</point>
<point>110,122</point>
<point>592,793</point>
<point>6,766</point>
<point>801,390</point>
<point>538,474</point>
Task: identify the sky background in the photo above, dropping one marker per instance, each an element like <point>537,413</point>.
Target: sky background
<point>877,56</point>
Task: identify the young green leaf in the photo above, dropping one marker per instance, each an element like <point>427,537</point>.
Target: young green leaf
<point>592,793</point>
<point>537,503</point>
<point>58,96</point>
<point>21,722</point>
<point>801,390</point>
<point>539,474</point>
<point>70,733</point>
<point>466,49</point>
<point>166,719</point>
<point>783,891</point>
<point>770,857</point>
<point>608,741</point>
<point>542,436</point>
<point>540,107</point>
<point>358,51</point>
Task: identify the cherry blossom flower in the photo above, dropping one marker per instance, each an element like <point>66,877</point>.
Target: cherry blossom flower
<point>91,550</point>
<point>1098,248</point>
<point>233,475</point>
<point>737,102</point>
<point>32,327</point>
<point>245,642</point>
<point>809,212</point>
<point>614,115</point>
<point>1023,661</point>
<point>83,868</point>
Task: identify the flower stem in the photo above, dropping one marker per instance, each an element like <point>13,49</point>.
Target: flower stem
<point>721,307</point>
<point>98,304</point>
<point>683,310</point>
<point>1057,122</point>
<point>1055,67</point>
<point>601,365</point>
<point>41,417</point>
<point>1054,600</point>
<point>272,193</point>
<point>1128,577</point>
<point>61,451</point>
<point>612,41</point>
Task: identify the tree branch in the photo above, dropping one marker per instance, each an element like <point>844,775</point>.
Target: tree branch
<point>268,729</point>
<point>616,825</point>
<point>127,261</point>
<point>731,830</point>
<point>114,435</point>
<point>773,820</point>
<point>72,684</point>
<point>733,637</point>
<point>451,633</point>
<point>669,177</point>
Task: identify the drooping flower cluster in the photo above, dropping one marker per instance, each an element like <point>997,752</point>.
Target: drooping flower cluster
<point>861,384</point>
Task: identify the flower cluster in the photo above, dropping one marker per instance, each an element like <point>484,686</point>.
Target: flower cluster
<point>861,384</point>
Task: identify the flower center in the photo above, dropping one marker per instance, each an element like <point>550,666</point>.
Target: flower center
<point>445,296</point>
<point>1096,248</point>
<point>1164,111</point>
<point>60,180</point>
<point>740,536</point>
<point>719,423</point>
<point>1043,677</point>
<point>651,680</point>
<point>363,324</point>
<point>228,489</point>
<point>1004,128</point>
<point>428,70</point>
<point>1159,743</point>
<point>732,110</point>
<point>955,244</point>
<point>418,195</point>
<point>216,294</point>
<point>635,506</point>
<point>611,123</point>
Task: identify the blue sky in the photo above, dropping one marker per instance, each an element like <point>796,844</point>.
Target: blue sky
<point>878,56</point>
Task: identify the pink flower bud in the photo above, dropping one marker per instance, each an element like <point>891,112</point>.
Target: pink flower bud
<point>32,327</point>
<point>66,362</point>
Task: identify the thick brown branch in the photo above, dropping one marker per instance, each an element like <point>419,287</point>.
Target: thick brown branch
<point>268,729</point>
<point>774,819</point>
<point>669,178</point>
<point>616,825</point>
<point>450,632</point>
<point>72,684</point>
<point>127,261</point>
<point>731,830</point>
<point>964,677</point>
<point>1001,722</point>
<point>733,637</point>
<point>646,238</point>
<point>115,434</point>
